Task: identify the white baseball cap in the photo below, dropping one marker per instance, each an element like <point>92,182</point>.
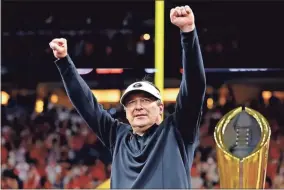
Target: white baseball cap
<point>141,86</point>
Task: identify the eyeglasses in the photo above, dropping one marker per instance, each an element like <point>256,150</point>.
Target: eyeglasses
<point>143,102</point>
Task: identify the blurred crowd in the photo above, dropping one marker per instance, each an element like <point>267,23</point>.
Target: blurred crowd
<point>52,150</point>
<point>56,149</point>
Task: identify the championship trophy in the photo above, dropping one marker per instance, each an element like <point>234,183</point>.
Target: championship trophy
<point>242,141</point>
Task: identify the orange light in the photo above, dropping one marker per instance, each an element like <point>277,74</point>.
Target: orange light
<point>39,106</point>
<point>146,36</point>
<point>112,95</point>
<point>109,71</point>
<point>170,94</point>
<point>266,95</point>
<point>54,98</point>
<point>210,103</point>
<point>4,98</point>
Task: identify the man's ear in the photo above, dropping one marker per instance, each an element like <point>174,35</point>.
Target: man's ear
<point>161,107</point>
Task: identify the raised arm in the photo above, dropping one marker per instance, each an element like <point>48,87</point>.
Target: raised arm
<point>193,85</point>
<point>82,98</point>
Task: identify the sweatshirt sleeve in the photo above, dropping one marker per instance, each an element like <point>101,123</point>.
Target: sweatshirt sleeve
<point>190,98</point>
<point>86,104</point>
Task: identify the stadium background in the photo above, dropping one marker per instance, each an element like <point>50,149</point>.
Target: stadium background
<point>45,144</point>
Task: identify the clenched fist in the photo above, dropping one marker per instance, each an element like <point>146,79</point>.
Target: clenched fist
<point>59,47</point>
<point>183,18</point>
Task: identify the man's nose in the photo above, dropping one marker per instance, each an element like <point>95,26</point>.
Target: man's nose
<point>138,105</point>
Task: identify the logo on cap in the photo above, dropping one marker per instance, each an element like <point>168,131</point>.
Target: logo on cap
<point>137,85</point>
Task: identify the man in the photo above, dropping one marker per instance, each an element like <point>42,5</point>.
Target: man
<point>150,152</point>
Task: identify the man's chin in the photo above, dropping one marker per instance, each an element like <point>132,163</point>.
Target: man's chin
<point>140,124</point>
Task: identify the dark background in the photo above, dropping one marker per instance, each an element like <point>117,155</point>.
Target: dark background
<point>233,34</point>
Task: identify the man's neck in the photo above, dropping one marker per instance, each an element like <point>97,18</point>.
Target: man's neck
<point>139,133</point>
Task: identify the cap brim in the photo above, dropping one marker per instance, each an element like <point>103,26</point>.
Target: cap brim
<point>143,87</point>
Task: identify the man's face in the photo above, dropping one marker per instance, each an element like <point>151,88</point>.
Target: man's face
<point>142,110</point>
